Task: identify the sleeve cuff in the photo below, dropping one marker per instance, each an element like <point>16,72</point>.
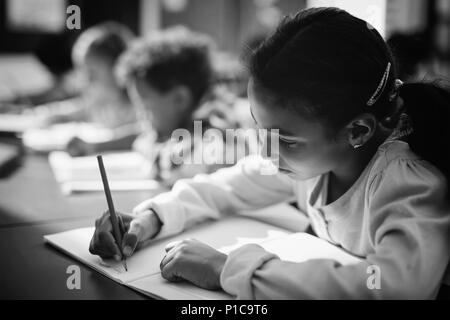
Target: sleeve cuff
<point>168,210</point>
<point>239,267</point>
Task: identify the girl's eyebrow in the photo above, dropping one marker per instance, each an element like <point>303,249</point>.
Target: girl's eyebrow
<point>281,132</point>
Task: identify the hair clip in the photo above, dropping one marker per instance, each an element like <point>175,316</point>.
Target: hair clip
<point>380,87</point>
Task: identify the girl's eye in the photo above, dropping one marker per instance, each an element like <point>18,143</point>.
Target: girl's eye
<point>289,144</point>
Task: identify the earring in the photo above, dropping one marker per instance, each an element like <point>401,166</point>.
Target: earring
<point>357,146</point>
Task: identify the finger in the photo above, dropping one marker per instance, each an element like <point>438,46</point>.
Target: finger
<point>95,248</point>
<point>123,228</point>
<point>104,222</point>
<point>132,238</point>
<point>107,244</point>
<point>164,261</point>
<point>170,272</point>
<point>172,245</point>
<point>174,252</point>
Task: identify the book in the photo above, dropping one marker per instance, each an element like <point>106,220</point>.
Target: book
<point>57,136</point>
<point>226,235</point>
<point>127,171</point>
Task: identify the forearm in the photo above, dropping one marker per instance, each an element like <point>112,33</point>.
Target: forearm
<point>398,269</point>
<point>228,190</point>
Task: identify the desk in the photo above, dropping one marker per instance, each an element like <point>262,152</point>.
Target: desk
<point>32,205</point>
<point>31,269</point>
<point>31,195</point>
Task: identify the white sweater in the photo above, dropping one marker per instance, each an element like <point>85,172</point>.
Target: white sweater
<point>395,216</point>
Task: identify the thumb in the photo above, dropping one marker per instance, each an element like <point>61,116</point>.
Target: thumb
<point>131,238</point>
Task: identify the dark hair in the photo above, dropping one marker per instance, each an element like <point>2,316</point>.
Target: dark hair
<point>409,51</point>
<point>169,58</point>
<point>333,62</point>
<point>107,40</point>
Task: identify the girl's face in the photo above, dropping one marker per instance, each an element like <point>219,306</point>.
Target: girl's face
<point>306,149</point>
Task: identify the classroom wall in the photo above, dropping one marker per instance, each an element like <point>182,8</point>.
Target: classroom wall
<point>230,22</point>
<point>218,18</point>
<point>53,47</point>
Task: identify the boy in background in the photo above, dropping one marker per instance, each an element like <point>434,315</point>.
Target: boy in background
<point>169,78</point>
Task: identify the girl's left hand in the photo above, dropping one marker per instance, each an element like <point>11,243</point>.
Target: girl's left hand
<point>195,262</point>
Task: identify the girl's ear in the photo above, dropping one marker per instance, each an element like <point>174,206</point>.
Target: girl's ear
<point>361,129</point>
<point>182,98</point>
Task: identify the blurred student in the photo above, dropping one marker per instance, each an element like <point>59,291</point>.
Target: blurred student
<point>413,56</point>
<point>169,78</point>
<point>102,100</point>
<point>360,151</point>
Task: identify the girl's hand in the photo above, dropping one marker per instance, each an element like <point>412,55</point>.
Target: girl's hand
<point>136,229</point>
<point>195,262</point>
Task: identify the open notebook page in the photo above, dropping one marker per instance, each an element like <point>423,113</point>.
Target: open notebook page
<point>144,262</point>
<point>225,235</point>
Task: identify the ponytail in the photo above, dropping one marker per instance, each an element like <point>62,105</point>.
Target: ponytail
<point>428,106</point>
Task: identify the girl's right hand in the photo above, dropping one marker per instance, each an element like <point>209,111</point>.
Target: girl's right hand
<point>136,229</point>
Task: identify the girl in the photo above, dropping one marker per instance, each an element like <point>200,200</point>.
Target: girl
<point>359,152</point>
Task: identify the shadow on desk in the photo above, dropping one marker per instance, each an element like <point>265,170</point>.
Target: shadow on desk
<point>34,270</point>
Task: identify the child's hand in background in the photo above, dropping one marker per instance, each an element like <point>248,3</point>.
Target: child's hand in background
<point>195,262</point>
<point>135,228</point>
<point>78,147</point>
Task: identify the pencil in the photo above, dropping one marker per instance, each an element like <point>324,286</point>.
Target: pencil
<point>112,213</point>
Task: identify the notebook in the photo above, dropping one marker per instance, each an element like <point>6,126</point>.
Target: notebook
<point>57,136</point>
<point>127,171</point>
<point>225,235</point>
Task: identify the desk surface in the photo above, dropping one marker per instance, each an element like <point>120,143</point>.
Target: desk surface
<point>32,195</point>
<point>31,269</point>
<point>32,205</point>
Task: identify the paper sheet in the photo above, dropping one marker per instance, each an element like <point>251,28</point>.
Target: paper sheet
<point>226,235</point>
<point>57,136</point>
